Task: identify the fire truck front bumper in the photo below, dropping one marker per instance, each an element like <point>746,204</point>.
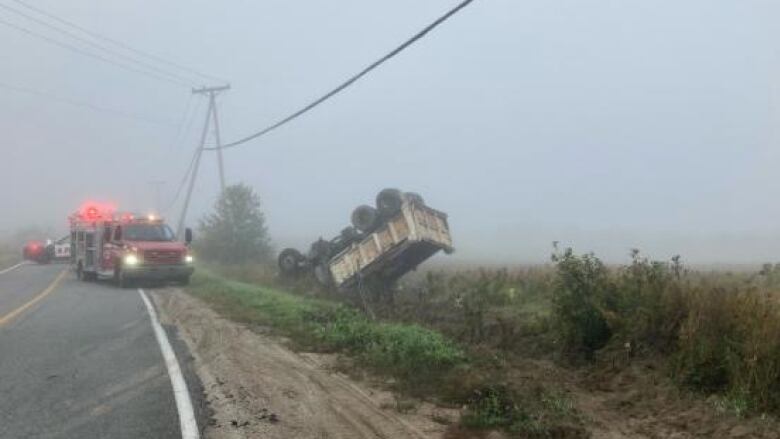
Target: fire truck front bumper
<point>158,272</point>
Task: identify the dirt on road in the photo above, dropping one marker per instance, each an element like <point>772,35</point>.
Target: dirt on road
<point>257,387</point>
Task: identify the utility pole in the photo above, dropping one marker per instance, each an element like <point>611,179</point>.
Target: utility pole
<point>211,117</point>
<point>212,93</point>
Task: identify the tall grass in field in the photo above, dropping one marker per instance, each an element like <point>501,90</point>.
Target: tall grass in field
<point>716,332</point>
<point>713,332</point>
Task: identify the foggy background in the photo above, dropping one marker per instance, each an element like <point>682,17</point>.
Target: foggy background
<point>602,124</point>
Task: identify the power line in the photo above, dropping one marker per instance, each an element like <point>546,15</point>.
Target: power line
<point>351,80</point>
<point>97,46</point>
<point>83,104</point>
<point>90,54</point>
<point>118,43</point>
<point>182,121</point>
<point>182,182</point>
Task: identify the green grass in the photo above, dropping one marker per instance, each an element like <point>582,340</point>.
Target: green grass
<point>411,353</point>
<point>534,412</point>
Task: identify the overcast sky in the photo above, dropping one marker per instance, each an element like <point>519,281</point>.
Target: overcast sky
<point>602,124</point>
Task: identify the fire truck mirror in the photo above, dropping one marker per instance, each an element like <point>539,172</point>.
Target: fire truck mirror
<point>188,235</point>
<point>118,233</point>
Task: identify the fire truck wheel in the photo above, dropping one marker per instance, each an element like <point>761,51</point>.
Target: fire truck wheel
<point>119,278</point>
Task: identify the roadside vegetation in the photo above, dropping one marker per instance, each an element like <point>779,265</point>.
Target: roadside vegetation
<point>235,232</point>
<point>411,353</point>
<point>711,333</point>
<point>470,337</point>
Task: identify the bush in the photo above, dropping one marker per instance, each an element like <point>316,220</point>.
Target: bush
<point>235,233</point>
<point>650,302</point>
<point>582,290</point>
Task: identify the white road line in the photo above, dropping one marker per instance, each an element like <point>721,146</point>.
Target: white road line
<point>189,427</point>
<point>14,267</point>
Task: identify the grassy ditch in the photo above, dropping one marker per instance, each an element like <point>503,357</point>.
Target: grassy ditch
<point>423,361</point>
<point>408,352</point>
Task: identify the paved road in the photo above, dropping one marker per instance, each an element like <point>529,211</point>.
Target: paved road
<point>80,360</point>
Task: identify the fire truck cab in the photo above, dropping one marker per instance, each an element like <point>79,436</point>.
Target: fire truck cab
<point>125,247</point>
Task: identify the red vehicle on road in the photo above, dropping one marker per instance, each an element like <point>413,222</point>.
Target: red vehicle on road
<point>126,247</point>
<point>37,251</point>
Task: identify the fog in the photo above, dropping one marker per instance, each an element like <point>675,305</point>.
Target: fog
<point>605,125</point>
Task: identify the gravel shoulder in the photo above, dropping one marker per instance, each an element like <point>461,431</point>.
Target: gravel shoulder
<point>256,386</point>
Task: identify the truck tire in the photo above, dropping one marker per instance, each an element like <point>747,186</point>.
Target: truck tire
<point>364,218</point>
<point>414,197</point>
<point>350,235</point>
<point>289,261</point>
<point>389,201</point>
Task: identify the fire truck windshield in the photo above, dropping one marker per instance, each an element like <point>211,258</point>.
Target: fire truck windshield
<point>148,232</point>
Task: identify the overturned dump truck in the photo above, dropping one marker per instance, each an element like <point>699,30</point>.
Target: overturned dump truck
<point>384,243</point>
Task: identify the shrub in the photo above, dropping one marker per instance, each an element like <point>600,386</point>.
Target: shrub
<point>650,302</point>
<point>582,290</point>
<point>235,232</point>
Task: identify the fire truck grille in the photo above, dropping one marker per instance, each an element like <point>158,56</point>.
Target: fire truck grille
<point>162,257</point>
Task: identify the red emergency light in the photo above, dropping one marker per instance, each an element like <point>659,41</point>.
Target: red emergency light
<point>93,211</point>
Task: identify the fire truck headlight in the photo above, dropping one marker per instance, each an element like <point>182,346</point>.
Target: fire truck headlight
<point>189,259</point>
<point>131,260</point>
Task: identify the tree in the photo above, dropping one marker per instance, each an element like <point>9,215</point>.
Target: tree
<point>235,232</point>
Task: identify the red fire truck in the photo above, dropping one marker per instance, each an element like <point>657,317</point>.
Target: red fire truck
<point>106,244</point>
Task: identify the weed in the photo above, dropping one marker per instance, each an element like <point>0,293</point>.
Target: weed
<point>582,294</point>
<point>533,412</point>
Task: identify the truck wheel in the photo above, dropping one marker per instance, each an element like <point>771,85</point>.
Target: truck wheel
<point>364,218</point>
<point>289,259</point>
<point>350,235</point>
<point>389,202</point>
<point>414,197</point>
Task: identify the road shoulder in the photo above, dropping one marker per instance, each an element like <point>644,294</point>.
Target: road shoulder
<point>257,387</point>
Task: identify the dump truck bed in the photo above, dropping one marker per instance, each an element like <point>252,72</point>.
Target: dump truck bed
<point>407,239</point>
